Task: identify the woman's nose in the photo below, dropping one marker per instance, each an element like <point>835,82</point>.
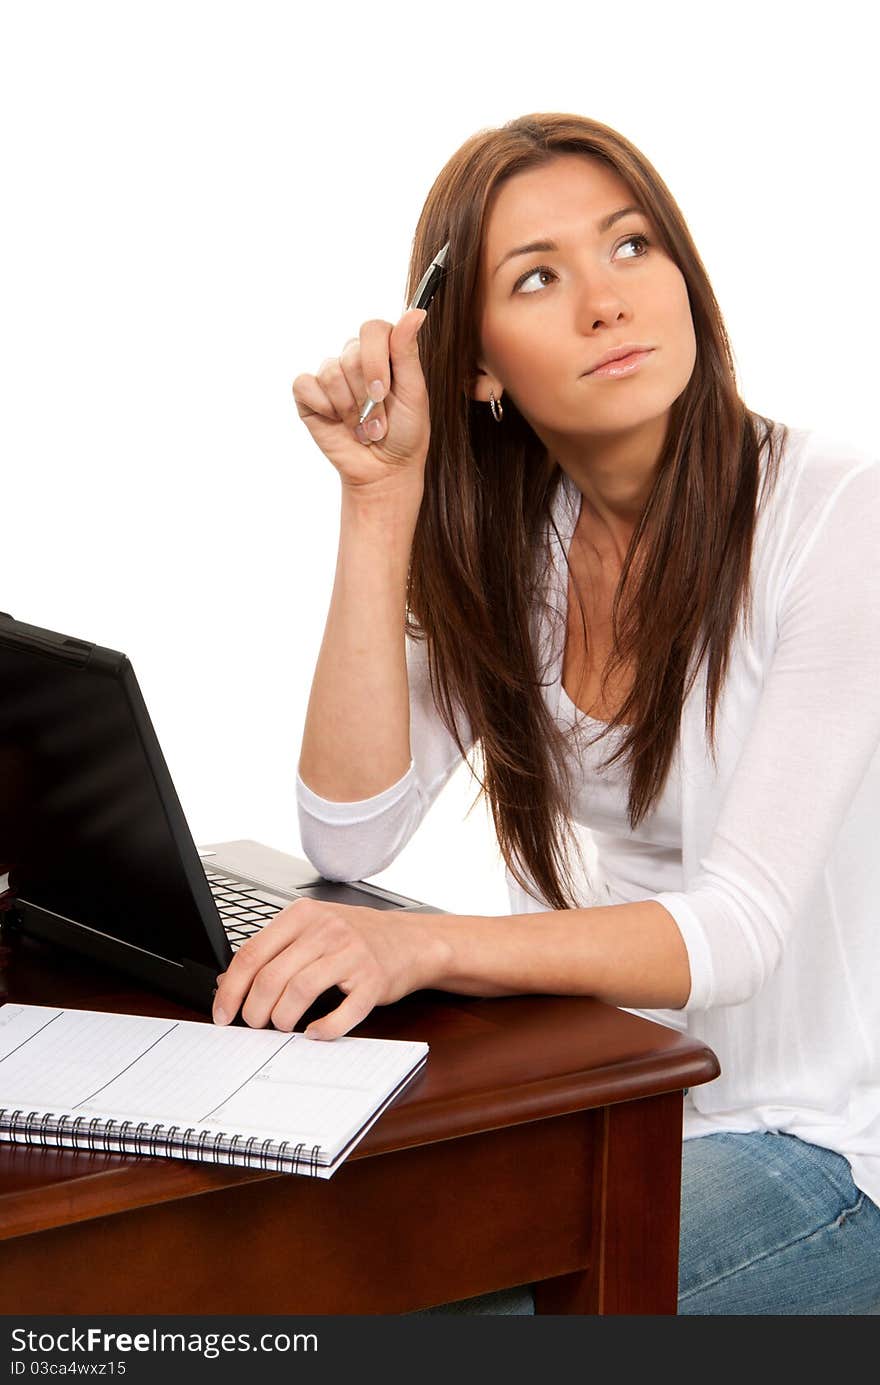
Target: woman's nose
<point>597,303</point>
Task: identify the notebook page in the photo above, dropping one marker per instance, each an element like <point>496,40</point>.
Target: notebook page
<point>132,1067</point>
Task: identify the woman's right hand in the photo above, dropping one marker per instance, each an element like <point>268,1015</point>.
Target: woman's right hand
<point>394,441</point>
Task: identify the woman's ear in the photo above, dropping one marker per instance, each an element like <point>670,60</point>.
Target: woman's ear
<point>483,384</point>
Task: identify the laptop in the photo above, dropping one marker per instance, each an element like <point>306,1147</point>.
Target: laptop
<point>95,844</point>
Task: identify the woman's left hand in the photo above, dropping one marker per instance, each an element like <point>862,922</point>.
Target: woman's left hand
<point>374,955</point>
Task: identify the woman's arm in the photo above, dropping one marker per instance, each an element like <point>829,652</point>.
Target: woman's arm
<point>373,755</point>
<point>353,841</point>
<point>626,954</point>
<point>356,737</point>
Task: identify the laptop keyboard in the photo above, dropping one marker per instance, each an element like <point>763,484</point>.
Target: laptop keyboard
<point>243,908</point>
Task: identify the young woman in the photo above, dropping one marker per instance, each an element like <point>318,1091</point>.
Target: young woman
<point>655,615</point>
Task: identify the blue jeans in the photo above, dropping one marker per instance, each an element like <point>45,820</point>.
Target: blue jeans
<point>769,1225</point>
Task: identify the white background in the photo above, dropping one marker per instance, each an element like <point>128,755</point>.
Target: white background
<point>202,200</point>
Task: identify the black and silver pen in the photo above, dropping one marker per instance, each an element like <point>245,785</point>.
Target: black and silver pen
<point>421,298</point>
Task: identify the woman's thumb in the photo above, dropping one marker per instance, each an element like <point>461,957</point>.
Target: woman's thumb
<point>404,348</point>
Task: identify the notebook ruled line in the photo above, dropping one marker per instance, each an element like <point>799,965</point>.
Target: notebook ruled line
<point>26,1041</point>
<point>249,1078</point>
<point>128,1066</point>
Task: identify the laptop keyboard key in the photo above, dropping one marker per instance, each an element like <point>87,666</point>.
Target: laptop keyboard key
<point>266,897</point>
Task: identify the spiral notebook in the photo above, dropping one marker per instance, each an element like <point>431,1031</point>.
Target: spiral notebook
<point>137,1084</point>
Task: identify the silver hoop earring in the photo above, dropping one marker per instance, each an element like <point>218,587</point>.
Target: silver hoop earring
<point>495,406</point>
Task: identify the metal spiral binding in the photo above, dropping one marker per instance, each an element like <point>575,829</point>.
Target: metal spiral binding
<point>47,1130</point>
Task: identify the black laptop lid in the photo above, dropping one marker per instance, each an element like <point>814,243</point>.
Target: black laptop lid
<point>91,828</point>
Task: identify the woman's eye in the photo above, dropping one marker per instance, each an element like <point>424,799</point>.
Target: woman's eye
<point>639,240</point>
<point>521,285</point>
<point>532,274</point>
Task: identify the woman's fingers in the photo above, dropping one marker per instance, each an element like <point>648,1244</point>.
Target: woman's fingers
<point>356,1006</point>
<point>311,399</point>
<point>332,379</point>
<point>374,379</point>
<point>366,365</point>
<point>282,976</point>
<point>381,364</point>
<point>254,955</point>
<point>303,989</point>
<point>310,947</point>
<point>352,368</point>
<point>375,353</point>
<point>363,371</point>
<point>339,390</point>
<point>279,972</point>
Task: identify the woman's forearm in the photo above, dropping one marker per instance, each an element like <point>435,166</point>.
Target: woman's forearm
<point>625,954</point>
<point>356,737</point>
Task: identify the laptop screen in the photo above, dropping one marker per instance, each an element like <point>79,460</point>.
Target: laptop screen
<point>84,830</point>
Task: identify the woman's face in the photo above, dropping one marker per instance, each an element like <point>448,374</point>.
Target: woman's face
<point>548,315</point>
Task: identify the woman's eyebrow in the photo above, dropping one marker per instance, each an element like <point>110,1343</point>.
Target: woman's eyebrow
<point>534,246</point>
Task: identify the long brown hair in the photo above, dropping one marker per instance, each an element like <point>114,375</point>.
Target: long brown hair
<point>477,572</point>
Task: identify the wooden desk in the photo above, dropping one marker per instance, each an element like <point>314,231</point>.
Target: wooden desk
<point>541,1144</point>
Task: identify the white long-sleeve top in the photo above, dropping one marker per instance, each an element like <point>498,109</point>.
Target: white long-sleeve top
<point>768,860</point>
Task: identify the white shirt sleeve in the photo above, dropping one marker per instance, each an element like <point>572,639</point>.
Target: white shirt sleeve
<point>352,841</point>
<point>816,732</point>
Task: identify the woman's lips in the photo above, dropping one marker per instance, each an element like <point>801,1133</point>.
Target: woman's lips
<point>625,366</point>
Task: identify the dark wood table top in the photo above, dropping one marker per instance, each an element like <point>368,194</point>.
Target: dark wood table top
<point>492,1064</point>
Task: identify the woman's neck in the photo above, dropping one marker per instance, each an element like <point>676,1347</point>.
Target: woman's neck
<point>615,476</point>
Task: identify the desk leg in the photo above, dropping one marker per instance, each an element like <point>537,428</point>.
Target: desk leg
<point>636,1208</point>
